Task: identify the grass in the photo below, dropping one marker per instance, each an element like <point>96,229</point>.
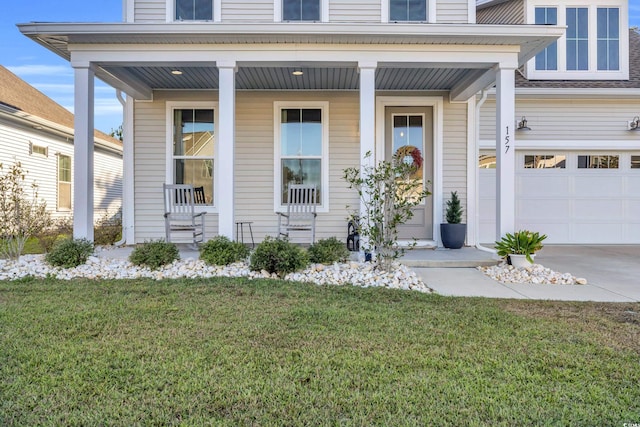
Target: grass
<point>239,352</point>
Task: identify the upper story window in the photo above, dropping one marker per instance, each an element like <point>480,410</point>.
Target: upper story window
<point>301,10</point>
<point>608,38</point>
<point>548,58</point>
<point>194,10</point>
<point>595,45</point>
<point>408,10</point>
<point>577,38</point>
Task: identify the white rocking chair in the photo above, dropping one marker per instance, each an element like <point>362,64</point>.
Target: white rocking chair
<point>179,212</point>
<point>301,211</point>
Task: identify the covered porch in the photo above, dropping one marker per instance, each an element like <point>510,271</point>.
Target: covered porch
<point>243,70</point>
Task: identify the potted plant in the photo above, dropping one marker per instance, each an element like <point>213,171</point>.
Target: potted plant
<point>453,232</point>
<point>520,247</point>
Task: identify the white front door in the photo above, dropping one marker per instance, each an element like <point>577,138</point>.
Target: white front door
<point>408,129</point>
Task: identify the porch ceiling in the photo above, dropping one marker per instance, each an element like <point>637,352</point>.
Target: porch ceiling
<point>282,78</point>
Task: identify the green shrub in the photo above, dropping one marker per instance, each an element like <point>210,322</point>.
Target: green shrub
<point>328,251</point>
<point>60,229</point>
<point>108,229</point>
<point>70,253</point>
<point>222,251</point>
<point>154,254</point>
<point>278,256</point>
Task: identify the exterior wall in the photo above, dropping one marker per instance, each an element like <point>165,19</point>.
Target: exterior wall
<point>354,11</point>
<point>44,170</point>
<point>247,10</point>
<point>254,174</point>
<point>452,12</point>
<point>511,12</point>
<point>567,119</point>
<point>150,10</point>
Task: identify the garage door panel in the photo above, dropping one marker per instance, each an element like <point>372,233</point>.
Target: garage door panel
<point>596,232</point>
<point>598,185</point>
<point>549,209</point>
<point>598,209</point>
<point>558,232</point>
<point>633,185</point>
<point>631,233</point>
<point>551,185</point>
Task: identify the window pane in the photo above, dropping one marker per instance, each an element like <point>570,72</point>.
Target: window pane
<point>602,23</point>
<point>194,10</point>
<point>64,168</point>
<point>301,10</point>
<point>635,162</point>
<point>598,162</point>
<point>64,195</point>
<point>193,133</point>
<point>552,56</point>
<point>301,171</point>
<point>583,23</point>
<point>311,10</point>
<point>197,172</point>
<point>603,59</point>
<point>583,55</point>
<point>417,10</point>
<point>301,132</point>
<point>614,23</point>
<point>552,16</point>
<point>487,161</point>
<point>571,23</point>
<point>614,57</point>
<point>572,59</point>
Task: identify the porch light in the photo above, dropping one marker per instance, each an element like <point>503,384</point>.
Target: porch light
<point>176,72</point>
<point>297,73</point>
<point>522,124</point>
<point>634,124</point>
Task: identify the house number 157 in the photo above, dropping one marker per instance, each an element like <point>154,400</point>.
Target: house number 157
<point>506,141</point>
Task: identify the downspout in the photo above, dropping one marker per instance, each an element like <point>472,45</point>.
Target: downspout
<point>127,167</point>
<point>483,98</point>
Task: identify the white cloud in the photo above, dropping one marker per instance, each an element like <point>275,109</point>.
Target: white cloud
<point>41,70</point>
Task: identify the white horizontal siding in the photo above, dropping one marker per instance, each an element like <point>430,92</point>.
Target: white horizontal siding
<point>564,119</point>
<point>452,11</point>
<point>247,10</point>
<point>354,11</point>
<point>150,11</point>
<point>44,170</point>
<point>454,154</point>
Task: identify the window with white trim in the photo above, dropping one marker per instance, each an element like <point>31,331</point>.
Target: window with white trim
<point>64,183</point>
<point>38,150</point>
<point>193,149</point>
<point>407,10</point>
<point>548,58</point>
<point>301,154</point>
<point>193,10</point>
<point>593,47</point>
<point>301,10</point>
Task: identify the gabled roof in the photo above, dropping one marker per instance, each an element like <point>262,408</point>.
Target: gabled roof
<point>632,83</point>
<point>18,95</point>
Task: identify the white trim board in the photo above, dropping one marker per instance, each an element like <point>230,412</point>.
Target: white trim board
<point>573,145</point>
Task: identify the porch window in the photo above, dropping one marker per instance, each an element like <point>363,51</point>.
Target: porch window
<point>193,149</point>
<point>408,10</point>
<point>64,182</point>
<point>194,10</point>
<point>301,149</point>
<point>608,38</point>
<point>301,10</point>
<point>548,58</point>
<point>577,38</point>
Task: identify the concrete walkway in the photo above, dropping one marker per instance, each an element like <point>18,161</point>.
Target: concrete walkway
<point>612,272</point>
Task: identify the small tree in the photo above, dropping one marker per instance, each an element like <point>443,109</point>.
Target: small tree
<point>388,191</point>
<point>454,209</point>
<point>21,216</point>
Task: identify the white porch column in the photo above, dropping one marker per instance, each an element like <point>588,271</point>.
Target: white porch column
<point>505,152</point>
<point>367,126</point>
<point>82,164</point>
<point>226,129</point>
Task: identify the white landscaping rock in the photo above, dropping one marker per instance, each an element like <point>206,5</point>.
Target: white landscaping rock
<point>351,273</point>
<point>534,274</point>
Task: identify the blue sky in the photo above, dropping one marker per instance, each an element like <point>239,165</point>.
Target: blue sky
<point>53,75</point>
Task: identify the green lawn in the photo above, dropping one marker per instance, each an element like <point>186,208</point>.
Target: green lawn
<point>238,352</point>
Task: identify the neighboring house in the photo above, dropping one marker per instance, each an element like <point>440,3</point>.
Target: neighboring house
<point>244,97</point>
<point>577,168</point>
<point>38,133</point>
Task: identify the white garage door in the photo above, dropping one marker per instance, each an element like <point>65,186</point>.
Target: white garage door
<point>573,197</point>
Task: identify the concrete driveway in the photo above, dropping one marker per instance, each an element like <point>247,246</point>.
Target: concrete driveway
<point>612,273</point>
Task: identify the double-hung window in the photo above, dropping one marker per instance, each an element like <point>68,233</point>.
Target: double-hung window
<point>301,149</point>
<point>408,10</point>
<point>608,38</point>
<point>548,58</point>
<point>64,182</point>
<point>193,10</point>
<point>301,10</point>
<point>193,148</point>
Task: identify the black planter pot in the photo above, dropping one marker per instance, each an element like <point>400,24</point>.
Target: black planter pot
<point>453,235</point>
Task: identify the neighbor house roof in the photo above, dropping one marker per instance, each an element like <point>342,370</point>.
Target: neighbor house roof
<point>632,83</point>
<point>20,97</point>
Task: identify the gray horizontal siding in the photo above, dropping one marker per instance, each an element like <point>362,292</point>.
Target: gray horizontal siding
<point>247,10</point>
<point>452,11</point>
<point>354,11</point>
<point>150,11</point>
